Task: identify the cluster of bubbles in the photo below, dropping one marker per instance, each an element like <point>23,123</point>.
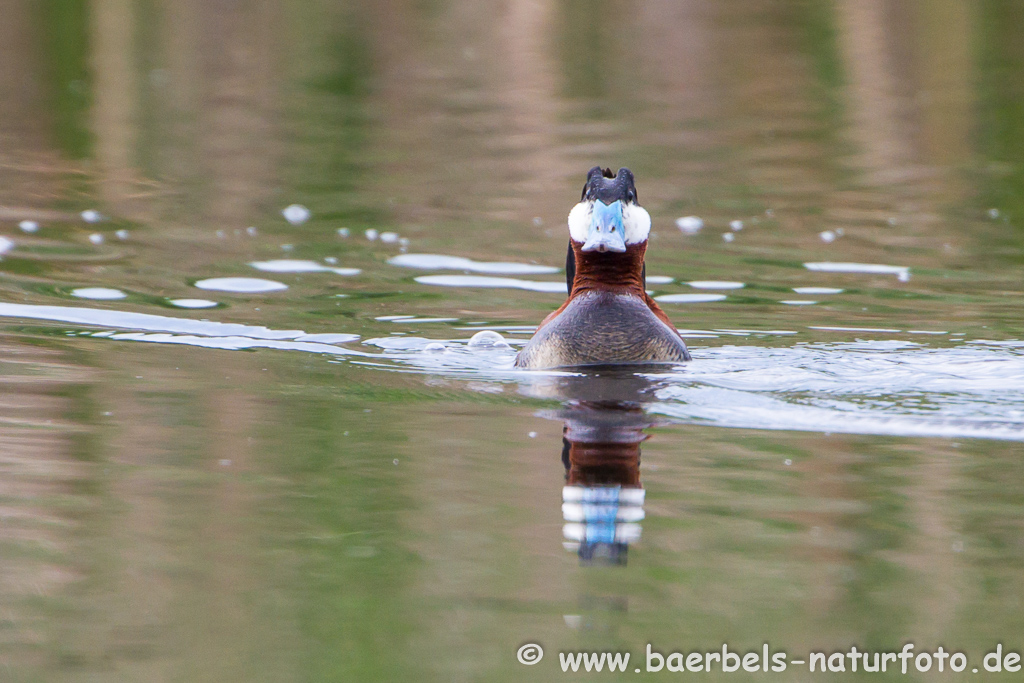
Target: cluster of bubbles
<point>691,225</point>
<point>297,214</point>
<point>484,340</point>
<point>30,227</point>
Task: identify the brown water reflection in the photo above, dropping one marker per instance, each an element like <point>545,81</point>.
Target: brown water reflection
<point>176,512</point>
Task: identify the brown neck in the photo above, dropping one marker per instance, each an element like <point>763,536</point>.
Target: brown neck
<point>603,464</point>
<point>609,271</point>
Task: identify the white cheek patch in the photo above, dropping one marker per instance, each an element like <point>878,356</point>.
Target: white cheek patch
<point>579,221</point>
<point>635,221</point>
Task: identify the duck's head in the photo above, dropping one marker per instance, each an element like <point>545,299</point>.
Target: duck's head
<point>608,233</point>
<point>608,218</point>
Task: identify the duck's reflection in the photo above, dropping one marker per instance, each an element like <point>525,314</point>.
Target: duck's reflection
<point>603,499</point>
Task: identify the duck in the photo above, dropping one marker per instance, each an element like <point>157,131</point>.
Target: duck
<point>608,317</point>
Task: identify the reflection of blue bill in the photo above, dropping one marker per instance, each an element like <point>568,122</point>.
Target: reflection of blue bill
<point>620,532</point>
<point>600,533</point>
<point>600,514</point>
<point>587,512</point>
<point>603,495</point>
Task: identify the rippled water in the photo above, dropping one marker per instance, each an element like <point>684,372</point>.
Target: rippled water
<point>258,423</point>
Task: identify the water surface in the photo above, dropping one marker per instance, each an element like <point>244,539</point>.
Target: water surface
<point>250,429</point>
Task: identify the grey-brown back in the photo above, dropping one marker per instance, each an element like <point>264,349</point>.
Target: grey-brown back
<point>599,328</point>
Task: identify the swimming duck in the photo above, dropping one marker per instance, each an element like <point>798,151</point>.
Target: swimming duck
<point>608,317</point>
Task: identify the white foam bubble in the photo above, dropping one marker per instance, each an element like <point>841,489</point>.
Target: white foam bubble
<point>6,245</point>
<point>659,280</point>
<point>296,214</point>
<point>299,266</point>
<point>744,333</point>
<point>689,298</point>
<point>241,285</point>
<point>99,293</point>
<point>827,236</point>
<point>507,328</point>
<point>817,290</point>
<point>235,343</point>
<point>690,224</point>
<point>326,338</point>
<point>797,302</point>
<point>830,328</point>
<point>192,303</point>
<point>736,226</point>
<point>486,339</point>
<point>869,268</point>
<point>404,319</point>
<point>715,284</point>
<point>442,262</point>
<point>728,237</point>
<point>389,237</point>
<point>96,238</point>
<point>491,282</point>
<point>371,234</point>
<point>91,216</point>
<point>398,343</point>
<point>146,322</point>
<point>28,226</point>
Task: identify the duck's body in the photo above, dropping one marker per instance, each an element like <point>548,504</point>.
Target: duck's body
<point>601,328</point>
<point>608,317</point>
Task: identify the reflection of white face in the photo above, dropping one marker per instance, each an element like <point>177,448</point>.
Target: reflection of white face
<point>636,222</point>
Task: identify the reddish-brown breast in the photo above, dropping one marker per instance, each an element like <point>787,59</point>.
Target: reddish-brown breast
<point>621,273</point>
